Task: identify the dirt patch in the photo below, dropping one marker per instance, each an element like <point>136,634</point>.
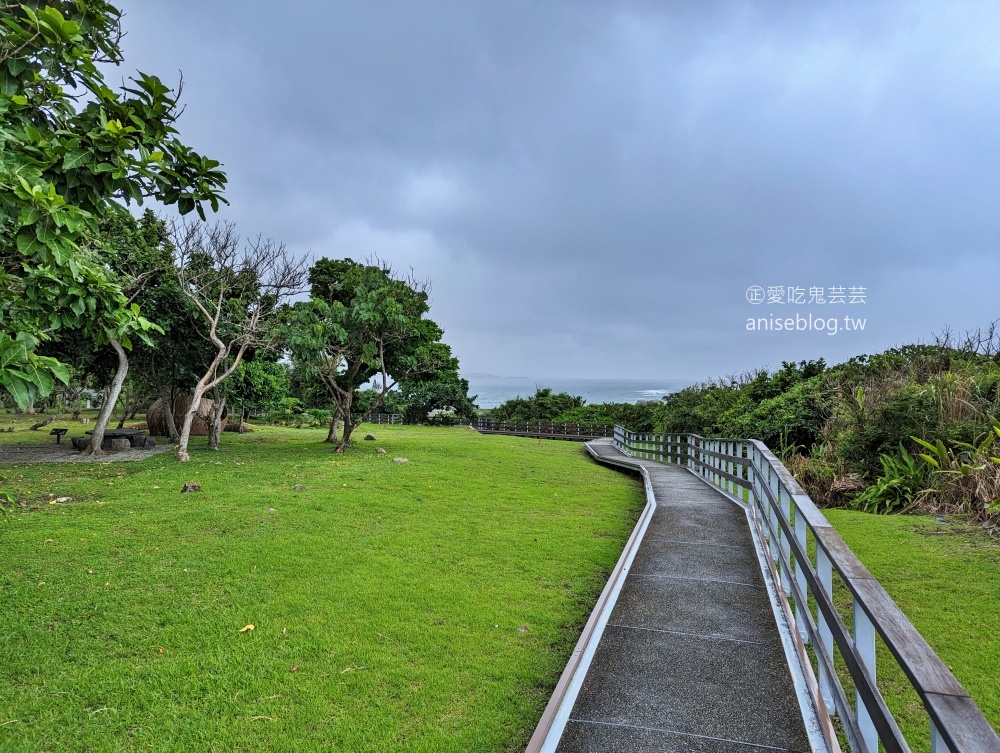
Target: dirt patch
<point>17,454</point>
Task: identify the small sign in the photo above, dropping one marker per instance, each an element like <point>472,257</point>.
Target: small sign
<point>58,434</point>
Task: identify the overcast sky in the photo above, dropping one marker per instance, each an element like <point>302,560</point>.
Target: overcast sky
<point>592,187</point>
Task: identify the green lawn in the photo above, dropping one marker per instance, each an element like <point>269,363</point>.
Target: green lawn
<point>419,606</point>
<point>946,579</point>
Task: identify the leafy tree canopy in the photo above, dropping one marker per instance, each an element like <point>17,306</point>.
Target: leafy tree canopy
<point>259,385</point>
<point>544,405</point>
<point>72,150</point>
<point>362,320</point>
<point>443,389</point>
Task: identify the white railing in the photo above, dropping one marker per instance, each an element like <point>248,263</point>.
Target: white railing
<point>808,557</point>
<point>379,418</point>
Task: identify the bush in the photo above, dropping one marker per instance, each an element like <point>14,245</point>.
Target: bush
<point>868,427</point>
<point>637,416</point>
<point>291,413</point>
<point>904,479</point>
<point>544,405</point>
<point>787,408</point>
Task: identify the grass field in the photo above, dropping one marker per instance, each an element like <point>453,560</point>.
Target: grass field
<point>946,579</point>
<point>419,606</point>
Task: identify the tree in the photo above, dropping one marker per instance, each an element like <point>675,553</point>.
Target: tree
<point>544,405</point>
<point>166,363</point>
<point>444,389</point>
<point>258,385</point>
<point>361,320</point>
<point>138,253</point>
<point>237,289</point>
<point>71,150</point>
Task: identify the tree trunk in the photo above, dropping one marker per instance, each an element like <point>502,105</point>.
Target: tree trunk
<point>211,379</point>
<point>167,398</point>
<point>97,438</point>
<point>185,437</point>
<point>345,438</point>
<point>215,430</point>
<point>199,392</point>
<point>334,425</point>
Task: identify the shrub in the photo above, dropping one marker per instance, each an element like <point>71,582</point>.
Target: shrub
<point>637,417</point>
<point>904,479</point>
<point>544,405</point>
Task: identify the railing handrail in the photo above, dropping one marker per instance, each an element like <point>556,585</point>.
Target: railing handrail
<point>380,417</point>
<point>784,514</point>
<point>561,428</point>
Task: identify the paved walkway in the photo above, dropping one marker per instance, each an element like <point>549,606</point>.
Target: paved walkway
<point>691,659</point>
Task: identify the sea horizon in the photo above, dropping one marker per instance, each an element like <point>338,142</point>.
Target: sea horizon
<point>491,390</point>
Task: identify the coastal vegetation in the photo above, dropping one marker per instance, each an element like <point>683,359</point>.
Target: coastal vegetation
<point>910,429</point>
<point>914,428</point>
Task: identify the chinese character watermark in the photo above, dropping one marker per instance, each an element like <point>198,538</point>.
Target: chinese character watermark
<point>778,320</point>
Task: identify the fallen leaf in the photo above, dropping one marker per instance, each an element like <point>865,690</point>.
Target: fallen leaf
<point>284,631</point>
<point>295,667</point>
<point>523,629</point>
<point>246,628</point>
<point>48,541</point>
<point>160,650</point>
<point>89,571</point>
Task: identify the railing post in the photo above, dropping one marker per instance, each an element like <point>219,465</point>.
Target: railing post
<point>824,569</point>
<point>785,505</point>
<point>864,642</point>
<point>800,571</point>
<point>726,483</point>
<point>938,745</point>
<point>731,467</point>
<point>772,516</point>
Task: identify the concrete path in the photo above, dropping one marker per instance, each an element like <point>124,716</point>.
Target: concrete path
<point>691,659</point>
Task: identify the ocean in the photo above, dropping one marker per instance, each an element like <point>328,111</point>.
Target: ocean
<point>491,391</point>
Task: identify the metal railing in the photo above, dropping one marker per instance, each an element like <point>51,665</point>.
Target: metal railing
<point>542,428</point>
<point>806,554</point>
<point>379,418</point>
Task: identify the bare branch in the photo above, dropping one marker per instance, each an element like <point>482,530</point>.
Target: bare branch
<point>237,286</point>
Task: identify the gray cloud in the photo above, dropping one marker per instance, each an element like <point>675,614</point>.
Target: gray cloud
<point>593,186</point>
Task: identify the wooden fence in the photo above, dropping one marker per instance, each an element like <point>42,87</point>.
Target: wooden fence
<point>544,429</point>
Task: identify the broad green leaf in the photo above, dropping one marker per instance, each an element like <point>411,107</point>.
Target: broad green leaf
<point>76,158</point>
